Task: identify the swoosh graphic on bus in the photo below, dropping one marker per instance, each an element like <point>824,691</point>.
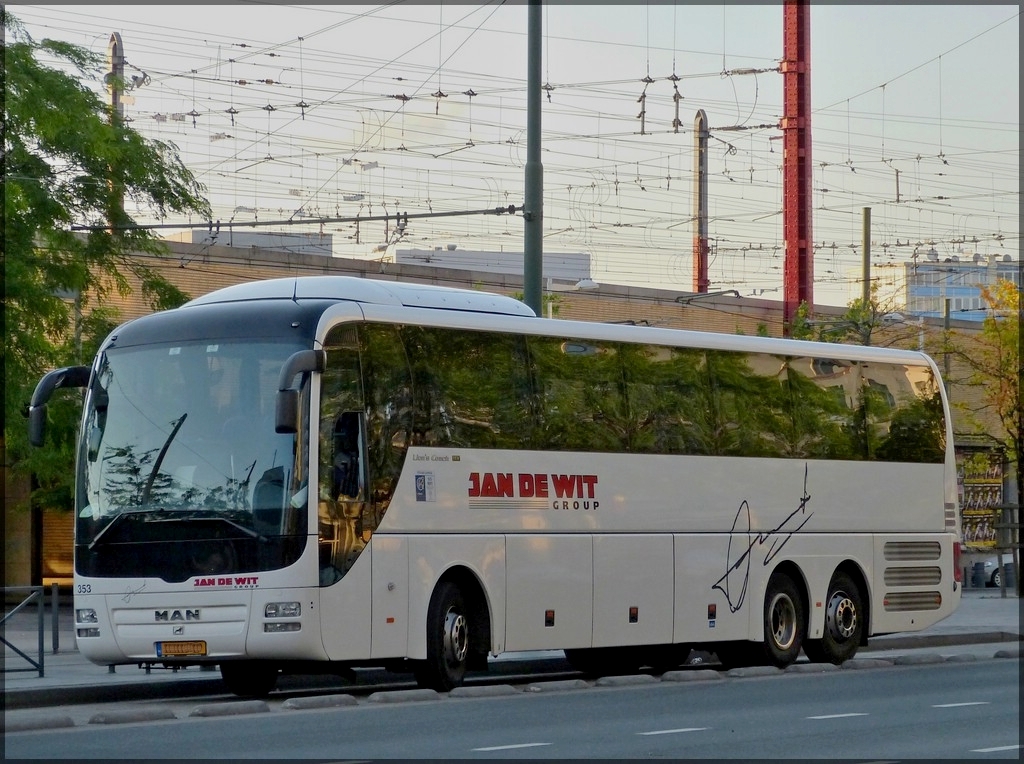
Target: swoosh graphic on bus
<point>779,536</point>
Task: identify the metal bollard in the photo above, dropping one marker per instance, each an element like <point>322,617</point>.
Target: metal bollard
<point>978,575</point>
<point>55,618</point>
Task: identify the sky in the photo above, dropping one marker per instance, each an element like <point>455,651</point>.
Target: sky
<point>294,112</point>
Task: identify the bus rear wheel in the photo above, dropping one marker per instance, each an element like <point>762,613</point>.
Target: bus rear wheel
<point>448,640</point>
<point>844,623</point>
<point>785,621</point>
<point>249,679</point>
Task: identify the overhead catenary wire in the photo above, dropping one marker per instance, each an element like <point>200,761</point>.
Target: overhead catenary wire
<point>588,134</point>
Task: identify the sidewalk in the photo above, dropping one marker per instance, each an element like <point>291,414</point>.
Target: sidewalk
<point>983,618</point>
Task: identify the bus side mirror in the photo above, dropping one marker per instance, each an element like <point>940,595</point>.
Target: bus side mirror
<point>37,425</point>
<point>286,413</point>
<point>69,376</point>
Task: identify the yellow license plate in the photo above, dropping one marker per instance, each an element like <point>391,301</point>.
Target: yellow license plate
<point>166,649</point>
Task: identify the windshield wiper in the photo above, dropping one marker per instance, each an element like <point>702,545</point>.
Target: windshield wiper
<point>185,515</point>
<point>118,516</point>
<point>160,459</point>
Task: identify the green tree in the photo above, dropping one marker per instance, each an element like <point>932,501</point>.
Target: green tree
<point>993,361</point>
<point>856,326</point>
<point>70,162</point>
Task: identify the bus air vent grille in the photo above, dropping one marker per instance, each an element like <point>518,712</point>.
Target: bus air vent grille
<point>930,576</point>
<point>901,601</point>
<point>912,550</point>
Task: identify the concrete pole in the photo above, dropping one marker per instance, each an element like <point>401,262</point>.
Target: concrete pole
<point>533,200</point>
<point>700,202</point>
<point>115,60</point>
<point>866,237</point>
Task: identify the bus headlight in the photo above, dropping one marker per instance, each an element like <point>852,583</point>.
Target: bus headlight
<point>86,615</point>
<point>88,632</point>
<point>282,610</point>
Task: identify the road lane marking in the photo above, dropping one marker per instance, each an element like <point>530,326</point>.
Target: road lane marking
<point>836,716</point>
<point>673,732</point>
<point>510,747</point>
<point>961,705</point>
<point>997,749</point>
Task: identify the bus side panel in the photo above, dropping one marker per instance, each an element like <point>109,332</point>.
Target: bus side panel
<point>304,644</point>
<point>709,597</point>
<point>344,612</point>
<point>431,556</point>
<point>390,611</point>
<point>550,573</point>
<point>721,580</point>
<point>632,572</point>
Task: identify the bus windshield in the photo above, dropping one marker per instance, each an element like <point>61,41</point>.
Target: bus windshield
<point>180,470</point>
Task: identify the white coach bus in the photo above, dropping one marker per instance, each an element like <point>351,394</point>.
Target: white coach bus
<point>310,474</point>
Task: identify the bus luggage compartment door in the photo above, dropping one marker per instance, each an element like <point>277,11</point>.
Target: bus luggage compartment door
<point>550,591</point>
<point>633,589</point>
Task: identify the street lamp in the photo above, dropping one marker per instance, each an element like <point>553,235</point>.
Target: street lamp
<point>583,285</point>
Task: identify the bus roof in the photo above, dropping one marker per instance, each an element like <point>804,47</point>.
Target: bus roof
<point>363,290</point>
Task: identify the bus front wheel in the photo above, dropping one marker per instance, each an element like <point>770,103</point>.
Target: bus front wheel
<point>844,623</point>
<point>785,621</point>
<point>448,630</point>
<point>249,679</point>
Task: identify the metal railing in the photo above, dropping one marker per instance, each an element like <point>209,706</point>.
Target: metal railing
<point>1008,542</point>
<point>36,594</point>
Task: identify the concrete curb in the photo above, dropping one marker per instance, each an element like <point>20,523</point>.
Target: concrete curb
<point>701,675</point>
<point>866,663</point>
<point>625,680</point>
<point>483,691</point>
<point>38,723</point>
<point>920,659</point>
<point>811,668</point>
<point>130,715</point>
<point>749,671</point>
<point>231,708</point>
<point>319,701</point>
<point>558,686</point>
<point>402,696</point>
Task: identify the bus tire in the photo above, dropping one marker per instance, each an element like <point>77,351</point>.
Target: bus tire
<point>249,679</point>
<point>785,621</point>
<point>844,623</point>
<point>448,638</point>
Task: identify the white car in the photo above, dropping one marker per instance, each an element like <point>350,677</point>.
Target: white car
<point>992,568</point>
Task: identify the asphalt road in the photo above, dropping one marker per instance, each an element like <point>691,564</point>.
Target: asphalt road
<point>951,709</point>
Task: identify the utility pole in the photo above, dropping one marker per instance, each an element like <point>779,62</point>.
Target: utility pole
<point>798,268</point>
<point>866,237</point>
<point>700,202</point>
<point>533,197</point>
<point>115,82</point>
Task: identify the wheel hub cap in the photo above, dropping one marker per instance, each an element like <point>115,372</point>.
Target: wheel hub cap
<point>783,621</point>
<point>841,616</point>
<point>456,637</point>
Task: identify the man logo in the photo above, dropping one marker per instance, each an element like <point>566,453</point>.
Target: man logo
<point>176,615</point>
